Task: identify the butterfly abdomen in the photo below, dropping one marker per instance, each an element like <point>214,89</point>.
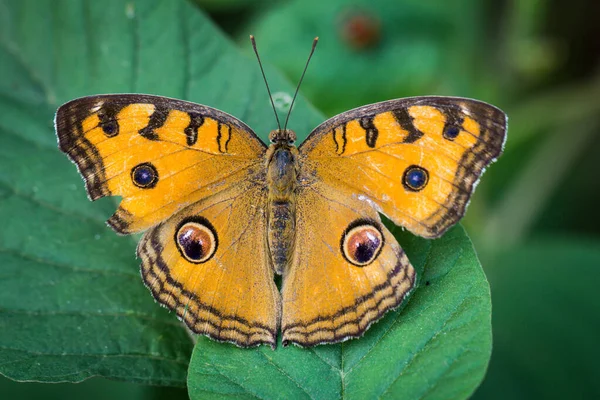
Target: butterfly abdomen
<point>281,236</point>
<point>282,178</point>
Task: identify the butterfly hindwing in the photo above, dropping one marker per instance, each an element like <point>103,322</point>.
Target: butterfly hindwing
<point>224,290</point>
<point>417,160</point>
<point>209,264</point>
<point>158,154</point>
<point>336,284</point>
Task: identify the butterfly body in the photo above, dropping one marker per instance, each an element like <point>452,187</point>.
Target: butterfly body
<point>224,213</point>
<point>282,182</point>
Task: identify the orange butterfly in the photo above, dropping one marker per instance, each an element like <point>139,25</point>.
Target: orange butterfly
<point>223,212</point>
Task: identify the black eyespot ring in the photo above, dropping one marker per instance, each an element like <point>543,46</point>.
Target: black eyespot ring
<point>451,132</point>
<point>144,176</point>
<point>415,178</point>
<point>362,242</point>
<point>196,239</point>
<point>110,127</point>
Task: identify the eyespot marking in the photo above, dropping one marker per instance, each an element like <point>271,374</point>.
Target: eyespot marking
<point>196,240</point>
<point>361,242</point>
<point>108,120</point>
<point>415,178</point>
<point>110,128</point>
<point>144,175</point>
<point>451,132</point>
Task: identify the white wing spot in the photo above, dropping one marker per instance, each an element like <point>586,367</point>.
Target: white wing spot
<point>96,107</point>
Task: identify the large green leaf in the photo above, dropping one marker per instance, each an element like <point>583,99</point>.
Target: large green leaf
<point>438,346</point>
<point>71,301</point>
<point>72,304</point>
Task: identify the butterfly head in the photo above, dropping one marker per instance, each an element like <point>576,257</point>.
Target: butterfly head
<point>282,136</point>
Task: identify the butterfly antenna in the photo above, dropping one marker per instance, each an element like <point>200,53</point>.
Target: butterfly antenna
<point>314,45</point>
<point>265,79</point>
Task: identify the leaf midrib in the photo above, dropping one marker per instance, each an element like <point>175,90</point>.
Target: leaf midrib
<point>100,355</point>
<point>89,313</point>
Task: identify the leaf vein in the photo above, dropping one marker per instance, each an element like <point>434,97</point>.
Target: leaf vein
<point>100,355</point>
<point>270,361</point>
<point>433,337</point>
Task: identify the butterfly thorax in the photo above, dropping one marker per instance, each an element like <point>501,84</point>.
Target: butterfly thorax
<point>282,176</point>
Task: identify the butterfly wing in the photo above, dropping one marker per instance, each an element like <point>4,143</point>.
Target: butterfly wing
<point>222,284</point>
<point>192,173</point>
<point>417,160</point>
<point>334,289</point>
<point>158,154</point>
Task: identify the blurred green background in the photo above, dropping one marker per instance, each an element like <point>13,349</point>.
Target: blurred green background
<point>534,218</point>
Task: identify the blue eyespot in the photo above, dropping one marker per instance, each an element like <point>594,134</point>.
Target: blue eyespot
<point>415,178</point>
<point>110,128</point>
<point>451,132</point>
<point>144,175</point>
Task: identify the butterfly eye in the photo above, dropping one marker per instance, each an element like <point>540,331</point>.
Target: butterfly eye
<point>361,243</point>
<point>144,176</point>
<point>415,178</point>
<point>196,240</point>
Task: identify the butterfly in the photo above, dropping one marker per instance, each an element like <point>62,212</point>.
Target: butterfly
<point>223,213</point>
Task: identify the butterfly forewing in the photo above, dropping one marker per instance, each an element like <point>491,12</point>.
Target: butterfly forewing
<point>416,159</point>
<point>344,277</point>
<point>158,154</point>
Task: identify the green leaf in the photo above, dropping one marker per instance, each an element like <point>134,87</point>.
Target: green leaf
<point>72,304</point>
<point>546,321</point>
<point>438,346</point>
